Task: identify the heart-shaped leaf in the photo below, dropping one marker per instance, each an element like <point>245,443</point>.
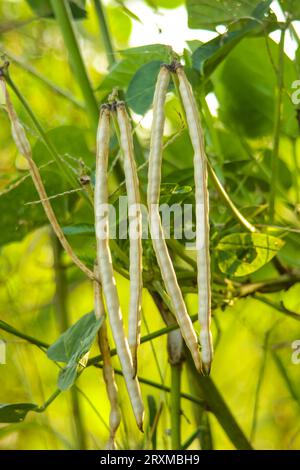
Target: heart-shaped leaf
<point>240,254</point>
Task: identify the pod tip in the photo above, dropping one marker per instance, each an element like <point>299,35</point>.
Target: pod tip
<point>141,426</point>
<point>206,368</point>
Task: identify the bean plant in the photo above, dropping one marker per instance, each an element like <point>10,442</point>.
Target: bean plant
<point>119,330</point>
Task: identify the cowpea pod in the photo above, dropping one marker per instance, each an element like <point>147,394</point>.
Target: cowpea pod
<point>202,216</point>
<point>108,371</point>
<point>156,230</point>
<point>135,232</point>
<point>104,260</point>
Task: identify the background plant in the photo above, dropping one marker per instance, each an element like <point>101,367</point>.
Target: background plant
<point>252,146</point>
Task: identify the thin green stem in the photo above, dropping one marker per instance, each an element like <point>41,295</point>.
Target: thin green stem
<point>162,387</point>
<point>61,294</point>
<point>175,406</point>
<point>48,402</point>
<point>191,439</point>
<point>105,33</point>
<point>19,334</point>
<point>43,79</point>
<point>60,285</point>
<point>78,421</point>
<point>178,248</point>
<point>215,180</point>
<point>63,16</point>
<point>277,126</point>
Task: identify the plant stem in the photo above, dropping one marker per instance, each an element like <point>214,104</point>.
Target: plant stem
<point>175,406</point>
<point>179,249</point>
<point>111,58</point>
<point>106,36</point>
<point>63,16</point>
<point>191,439</point>
<point>48,402</point>
<point>277,126</point>
<point>19,334</point>
<point>159,386</point>
<point>61,294</point>
<point>77,416</point>
<point>280,308</point>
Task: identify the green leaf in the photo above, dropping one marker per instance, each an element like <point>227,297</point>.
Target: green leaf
<point>141,88</point>
<point>17,217</point>
<point>241,254</point>
<point>72,345</point>
<point>152,407</point>
<point>16,412</point>
<point>43,8</point>
<point>207,14</point>
<point>132,59</point>
<point>209,55</point>
<point>70,142</point>
<point>245,86</point>
<point>120,25</point>
<point>76,340</point>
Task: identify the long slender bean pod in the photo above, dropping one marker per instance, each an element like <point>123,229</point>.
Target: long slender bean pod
<point>202,216</point>
<point>23,145</point>
<point>108,371</point>
<point>156,230</point>
<point>105,265</point>
<point>135,231</point>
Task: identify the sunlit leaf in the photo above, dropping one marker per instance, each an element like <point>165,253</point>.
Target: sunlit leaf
<point>207,14</point>
<point>245,85</point>
<point>240,254</point>
<point>120,25</point>
<point>209,55</point>
<point>72,346</point>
